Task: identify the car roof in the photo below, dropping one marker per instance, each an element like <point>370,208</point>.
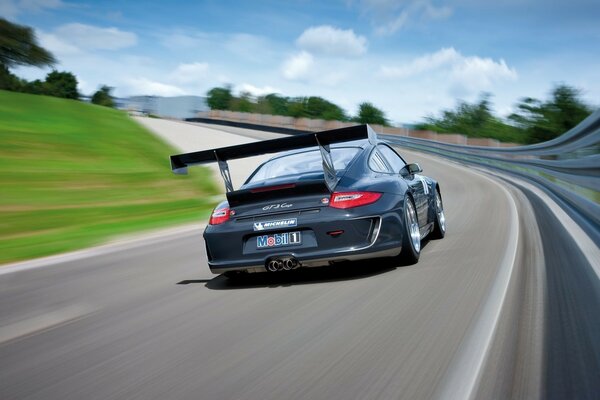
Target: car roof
<point>363,143</point>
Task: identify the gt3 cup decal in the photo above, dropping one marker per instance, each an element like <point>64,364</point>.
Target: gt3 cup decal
<point>276,206</point>
<point>282,223</point>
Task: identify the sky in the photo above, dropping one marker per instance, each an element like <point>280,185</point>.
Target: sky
<point>411,58</point>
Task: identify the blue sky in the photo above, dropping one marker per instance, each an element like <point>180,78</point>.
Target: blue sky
<point>409,57</point>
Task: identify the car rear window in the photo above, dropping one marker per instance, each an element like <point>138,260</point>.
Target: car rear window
<point>301,163</point>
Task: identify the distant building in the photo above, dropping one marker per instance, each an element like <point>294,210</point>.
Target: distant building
<point>179,107</point>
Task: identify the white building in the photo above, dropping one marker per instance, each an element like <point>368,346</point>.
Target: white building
<point>179,107</point>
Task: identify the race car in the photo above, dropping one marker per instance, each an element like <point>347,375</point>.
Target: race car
<point>325,197</point>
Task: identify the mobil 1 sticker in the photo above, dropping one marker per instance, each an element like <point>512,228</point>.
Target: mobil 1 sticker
<point>278,239</point>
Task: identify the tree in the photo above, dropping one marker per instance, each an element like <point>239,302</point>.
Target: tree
<point>61,84</point>
<point>102,97</point>
<point>297,107</point>
<point>544,121</point>
<point>278,104</point>
<point>219,98</point>
<point>369,114</point>
<point>34,87</point>
<point>474,120</point>
<point>242,103</point>
<point>18,46</point>
<point>468,119</point>
<point>9,81</point>
<point>262,106</point>
<point>318,107</point>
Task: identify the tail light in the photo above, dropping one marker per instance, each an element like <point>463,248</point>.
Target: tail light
<point>219,215</point>
<point>353,199</point>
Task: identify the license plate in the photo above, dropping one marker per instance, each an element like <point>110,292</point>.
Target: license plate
<point>278,239</point>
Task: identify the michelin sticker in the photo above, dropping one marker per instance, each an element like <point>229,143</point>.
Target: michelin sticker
<point>282,223</point>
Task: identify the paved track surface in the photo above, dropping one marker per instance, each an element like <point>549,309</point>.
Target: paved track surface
<point>151,322</point>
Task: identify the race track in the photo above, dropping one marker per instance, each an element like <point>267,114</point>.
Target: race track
<point>147,320</point>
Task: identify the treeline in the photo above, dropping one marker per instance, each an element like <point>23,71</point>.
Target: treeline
<point>534,120</point>
<point>58,84</point>
<point>19,47</point>
<point>222,98</point>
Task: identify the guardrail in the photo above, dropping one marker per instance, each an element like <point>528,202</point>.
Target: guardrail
<point>566,168</point>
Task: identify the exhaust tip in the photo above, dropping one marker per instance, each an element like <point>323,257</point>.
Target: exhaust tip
<point>274,265</point>
<point>286,264</point>
<point>290,263</point>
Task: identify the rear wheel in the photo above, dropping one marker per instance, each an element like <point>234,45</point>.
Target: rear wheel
<point>439,223</point>
<point>411,242</point>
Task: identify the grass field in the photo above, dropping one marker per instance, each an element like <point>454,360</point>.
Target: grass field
<point>74,174</point>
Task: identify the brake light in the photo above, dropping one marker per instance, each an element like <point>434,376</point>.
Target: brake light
<point>353,199</point>
<point>219,215</point>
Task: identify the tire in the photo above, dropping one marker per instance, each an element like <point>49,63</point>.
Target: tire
<point>439,221</point>
<point>411,241</point>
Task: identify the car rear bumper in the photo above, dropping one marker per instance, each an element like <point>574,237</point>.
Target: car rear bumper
<point>378,245</point>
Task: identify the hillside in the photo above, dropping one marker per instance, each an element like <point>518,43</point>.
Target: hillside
<point>74,174</point>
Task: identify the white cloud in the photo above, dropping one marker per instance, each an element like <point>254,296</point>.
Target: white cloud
<point>143,86</point>
<point>38,5</point>
<point>390,16</point>
<point>189,73</point>
<point>443,57</point>
<point>83,86</point>
<point>256,91</point>
<point>298,67</point>
<point>11,8</point>
<point>56,45</point>
<point>473,74</point>
<point>184,41</point>
<point>393,25</point>
<point>331,41</point>
<point>434,12</point>
<point>239,47</point>
<point>88,37</point>
<point>465,75</point>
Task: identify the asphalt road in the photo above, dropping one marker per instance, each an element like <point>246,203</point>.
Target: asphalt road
<point>149,321</point>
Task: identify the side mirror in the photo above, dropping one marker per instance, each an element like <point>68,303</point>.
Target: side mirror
<point>411,169</point>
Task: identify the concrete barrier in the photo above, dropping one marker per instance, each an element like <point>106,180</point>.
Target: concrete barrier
<point>486,142</point>
<point>429,135</point>
<point>315,125</point>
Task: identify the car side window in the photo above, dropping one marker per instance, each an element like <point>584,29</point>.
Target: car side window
<point>377,162</point>
<point>396,162</point>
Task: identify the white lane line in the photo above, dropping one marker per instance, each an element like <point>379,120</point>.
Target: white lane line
<point>139,240</point>
<point>42,322</point>
<point>465,371</point>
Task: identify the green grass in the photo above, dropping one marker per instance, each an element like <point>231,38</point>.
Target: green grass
<point>74,174</point>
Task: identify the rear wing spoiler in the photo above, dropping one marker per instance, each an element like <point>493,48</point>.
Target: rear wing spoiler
<point>180,162</point>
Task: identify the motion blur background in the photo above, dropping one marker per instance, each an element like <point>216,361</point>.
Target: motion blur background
<point>497,100</point>
<point>492,74</point>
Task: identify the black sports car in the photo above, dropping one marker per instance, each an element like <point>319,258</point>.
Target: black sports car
<point>330,196</point>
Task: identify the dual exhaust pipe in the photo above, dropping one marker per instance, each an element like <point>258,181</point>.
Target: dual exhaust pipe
<point>282,264</point>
